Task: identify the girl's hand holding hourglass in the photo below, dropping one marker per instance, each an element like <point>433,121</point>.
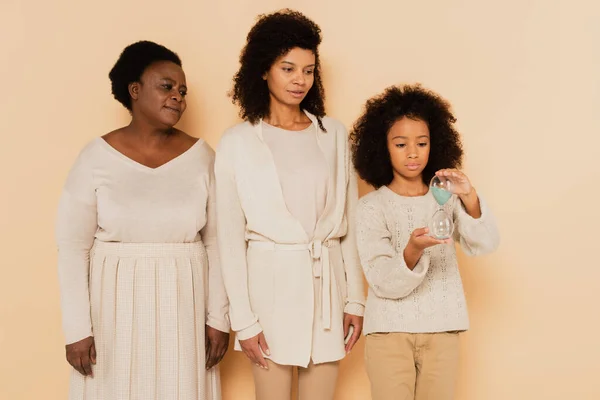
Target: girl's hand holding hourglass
<point>445,183</point>
<point>459,182</point>
<point>461,186</point>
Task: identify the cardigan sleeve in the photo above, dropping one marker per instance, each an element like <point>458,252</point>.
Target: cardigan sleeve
<point>355,303</point>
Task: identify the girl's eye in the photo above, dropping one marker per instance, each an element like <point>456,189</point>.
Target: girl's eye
<point>310,72</point>
<point>422,144</point>
<point>400,145</point>
<point>287,69</point>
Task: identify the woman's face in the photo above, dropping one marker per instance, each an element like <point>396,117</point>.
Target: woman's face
<point>291,76</point>
<point>159,96</point>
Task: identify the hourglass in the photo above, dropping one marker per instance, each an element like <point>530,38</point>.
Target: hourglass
<point>441,225</point>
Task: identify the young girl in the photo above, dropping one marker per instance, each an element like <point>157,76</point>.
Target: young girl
<point>287,195</point>
<point>416,305</point>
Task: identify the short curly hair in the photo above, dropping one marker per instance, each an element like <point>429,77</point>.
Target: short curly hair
<point>132,63</point>
<point>272,36</point>
<point>369,134</point>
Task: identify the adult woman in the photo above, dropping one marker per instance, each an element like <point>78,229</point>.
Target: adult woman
<point>287,195</point>
<point>137,247</point>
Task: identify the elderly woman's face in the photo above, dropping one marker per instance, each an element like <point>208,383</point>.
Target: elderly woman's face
<point>160,95</point>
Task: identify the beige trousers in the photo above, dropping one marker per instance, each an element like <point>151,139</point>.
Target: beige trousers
<point>409,366</point>
<point>316,382</point>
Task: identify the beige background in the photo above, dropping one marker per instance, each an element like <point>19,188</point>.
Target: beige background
<point>523,76</point>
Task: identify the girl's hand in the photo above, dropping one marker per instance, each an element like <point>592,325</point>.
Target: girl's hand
<point>418,242</point>
<point>461,185</point>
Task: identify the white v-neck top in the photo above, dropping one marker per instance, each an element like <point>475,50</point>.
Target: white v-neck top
<point>302,170</point>
<point>111,198</point>
<point>130,202</point>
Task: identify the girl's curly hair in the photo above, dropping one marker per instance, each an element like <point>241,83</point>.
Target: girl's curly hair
<point>369,134</point>
<point>272,36</point>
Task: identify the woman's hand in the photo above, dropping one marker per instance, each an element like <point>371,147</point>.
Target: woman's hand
<point>216,343</point>
<point>81,355</point>
<point>254,349</point>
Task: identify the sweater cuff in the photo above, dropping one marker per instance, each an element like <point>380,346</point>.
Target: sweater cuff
<point>355,309</point>
<point>249,332</point>
<point>421,268</point>
<point>75,335</point>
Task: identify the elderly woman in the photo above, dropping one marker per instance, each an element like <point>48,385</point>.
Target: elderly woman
<point>136,235</point>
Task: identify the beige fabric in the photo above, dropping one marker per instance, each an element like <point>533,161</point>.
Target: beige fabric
<point>316,382</point>
<point>429,298</point>
<point>409,366</point>
<point>147,308</point>
<point>270,286</point>
<point>144,295</point>
<point>302,171</point>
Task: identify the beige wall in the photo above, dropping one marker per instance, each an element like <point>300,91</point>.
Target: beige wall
<point>523,76</point>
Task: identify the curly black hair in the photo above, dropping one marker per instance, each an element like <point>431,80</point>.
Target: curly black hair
<point>369,134</point>
<point>272,36</point>
<point>132,63</point>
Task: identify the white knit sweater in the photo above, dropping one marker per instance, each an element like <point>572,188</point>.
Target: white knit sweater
<point>429,298</point>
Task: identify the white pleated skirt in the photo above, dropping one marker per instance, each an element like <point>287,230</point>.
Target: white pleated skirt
<point>148,317</point>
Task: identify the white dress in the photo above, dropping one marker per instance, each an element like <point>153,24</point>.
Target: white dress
<point>137,255</point>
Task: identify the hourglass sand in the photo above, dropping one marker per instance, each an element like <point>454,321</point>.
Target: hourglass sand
<point>441,225</point>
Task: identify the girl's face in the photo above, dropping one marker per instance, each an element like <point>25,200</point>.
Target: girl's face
<point>291,76</point>
<point>408,143</point>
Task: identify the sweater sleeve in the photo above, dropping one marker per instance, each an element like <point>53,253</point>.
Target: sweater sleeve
<point>477,236</point>
<point>355,303</point>
<point>76,227</point>
<point>385,269</point>
<point>231,233</point>
<point>217,303</point>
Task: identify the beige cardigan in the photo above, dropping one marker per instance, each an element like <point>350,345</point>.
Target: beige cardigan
<point>268,262</point>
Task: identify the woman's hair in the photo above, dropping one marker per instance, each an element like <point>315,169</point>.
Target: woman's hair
<point>132,63</point>
<point>273,36</point>
<point>369,135</point>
